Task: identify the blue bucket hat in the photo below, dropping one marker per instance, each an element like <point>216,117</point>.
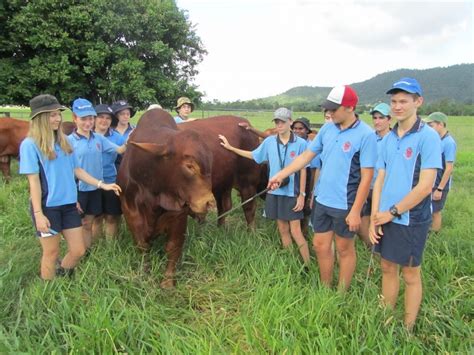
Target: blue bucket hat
<point>409,85</point>
<point>383,108</point>
<point>82,108</point>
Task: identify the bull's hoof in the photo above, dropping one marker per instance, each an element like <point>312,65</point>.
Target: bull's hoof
<point>168,284</point>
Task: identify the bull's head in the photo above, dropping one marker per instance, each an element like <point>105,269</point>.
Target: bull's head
<point>186,174</point>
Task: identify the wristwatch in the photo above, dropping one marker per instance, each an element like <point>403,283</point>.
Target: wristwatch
<point>394,211</point>
<point>302,193</point>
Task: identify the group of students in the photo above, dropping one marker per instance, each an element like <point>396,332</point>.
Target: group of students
<point>59,203</point>
<point>387,185</point>
<point>379,185</point>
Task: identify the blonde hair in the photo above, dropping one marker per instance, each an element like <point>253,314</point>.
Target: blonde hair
<point>45,137</point>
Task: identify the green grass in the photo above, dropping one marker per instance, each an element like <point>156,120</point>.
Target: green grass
<point>237,291</point>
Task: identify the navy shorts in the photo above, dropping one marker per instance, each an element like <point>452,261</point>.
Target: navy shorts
<point>403,245</point>
<point>367,209</point>
<point>60,217</point>
<point>326,219</point>
<point>439,205</point>
<point>281,207</point>
<point>91,202</point>
<point>110,203</point>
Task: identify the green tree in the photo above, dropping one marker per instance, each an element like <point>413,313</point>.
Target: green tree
<point>143,51</point>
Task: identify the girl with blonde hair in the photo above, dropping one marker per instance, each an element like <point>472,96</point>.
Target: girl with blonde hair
<point>48,161</point>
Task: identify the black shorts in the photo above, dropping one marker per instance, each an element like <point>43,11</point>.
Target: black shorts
<point>110,203</point>
<point>60,217</point>
<point>403,245</point>
<point>281,207</point>
<point>367,208</point>
<point>439,205</point>
<point>91,202</point>
<point>326,219</point>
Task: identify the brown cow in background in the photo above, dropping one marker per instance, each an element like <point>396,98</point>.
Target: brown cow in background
<point>230,170</point>
<point>12,133</point>
<point>165,174</point>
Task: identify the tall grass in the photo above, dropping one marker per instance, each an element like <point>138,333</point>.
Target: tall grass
<point>237,291</point>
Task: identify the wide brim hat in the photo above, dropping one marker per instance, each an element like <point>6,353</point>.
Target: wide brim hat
<point>184,100</point>
<point>44,103</point>
<point>122,105</point>
<point>304,121</point>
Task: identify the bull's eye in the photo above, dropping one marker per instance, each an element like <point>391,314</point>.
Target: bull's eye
<point>189,170</point>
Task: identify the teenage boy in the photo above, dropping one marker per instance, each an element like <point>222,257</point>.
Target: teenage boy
<point>438,121</point>
<point>381,120</point>
<point>348,150</point>
<point>401,203</point>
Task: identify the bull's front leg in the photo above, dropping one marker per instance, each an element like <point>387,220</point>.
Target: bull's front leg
<point>174,247</point>
<point>5,167</point>
<point>224,204</point>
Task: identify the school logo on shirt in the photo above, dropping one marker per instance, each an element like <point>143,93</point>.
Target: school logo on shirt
<point>292,154</point>
<point>98,146</point>
<point>408,153</point>
<point>346,147</point>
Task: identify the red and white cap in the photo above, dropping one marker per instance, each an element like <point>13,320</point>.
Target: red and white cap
<point>342,95</point>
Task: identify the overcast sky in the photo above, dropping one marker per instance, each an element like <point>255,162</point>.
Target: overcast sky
<point>259,48</point>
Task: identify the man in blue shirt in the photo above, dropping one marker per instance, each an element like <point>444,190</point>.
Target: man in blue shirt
<point>347,149</point>
<point>401,203</point>
<point>438,121</point>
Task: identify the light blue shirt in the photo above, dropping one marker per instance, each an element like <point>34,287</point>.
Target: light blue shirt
<point>58,186</point>
<point>403,159</point>
<point>89,154</point>
<point>343,153</point>
<point>448,155</point>
<point>268,152</point>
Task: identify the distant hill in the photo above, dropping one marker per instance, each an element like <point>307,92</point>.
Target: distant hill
<point>454,82</point>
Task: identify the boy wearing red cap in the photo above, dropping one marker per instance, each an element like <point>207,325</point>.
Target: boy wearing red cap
<point>347,149</point>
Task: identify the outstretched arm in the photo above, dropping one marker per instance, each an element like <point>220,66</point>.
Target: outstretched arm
<point>299,163</point>
<point>255,131</point>
<point>243,153</point>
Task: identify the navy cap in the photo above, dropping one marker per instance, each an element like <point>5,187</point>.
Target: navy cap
<point>104,108</point>
<point>409,85</point>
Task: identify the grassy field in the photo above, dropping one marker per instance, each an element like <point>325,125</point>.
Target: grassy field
<point>237,291</point>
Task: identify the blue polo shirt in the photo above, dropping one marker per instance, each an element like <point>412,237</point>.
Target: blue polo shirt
<point>448,154</point>
<point>343,153</point>
<point>267,151</point>
<point>403,159</point>
<point>108,158</point>
<point>89,154</point>
<point>120,140</point>
<point>58,186</point>
<point>379,141</point>
<point>178,120</point>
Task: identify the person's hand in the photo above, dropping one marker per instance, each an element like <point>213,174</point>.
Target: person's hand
<point>299,203</point>
<point>375,233</point>
<point>274,182</point>
<point>244,125</point>
<point>42,222</point>
<point>79,208</point>
<point>224,142</point>
<point>382,218</point>
<point>112,187</point>
<point>353,221</point>
<point>437,195</point>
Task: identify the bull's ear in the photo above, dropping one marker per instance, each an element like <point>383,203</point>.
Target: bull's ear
<point>156,149</point>
<point>169,203</point>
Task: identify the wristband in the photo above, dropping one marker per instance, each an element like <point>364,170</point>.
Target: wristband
<point>440,190</point>
<point>99,184</point>
<point>35,212</point>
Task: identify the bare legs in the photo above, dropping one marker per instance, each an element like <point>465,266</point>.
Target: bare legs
<point>50,246</point>
<point>322,243</point>
<point>292,229</point>
<point>413,289</point>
